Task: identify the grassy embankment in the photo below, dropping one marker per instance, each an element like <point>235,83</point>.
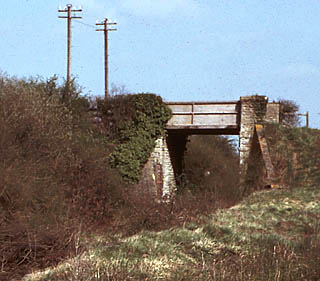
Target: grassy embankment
<point>271,235</point>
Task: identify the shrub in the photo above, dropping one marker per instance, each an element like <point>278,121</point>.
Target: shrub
<point>53,170</point>
<point>294,153</point>
<point>289,113</point>
<point>135,122</point>
<point>212,165</point>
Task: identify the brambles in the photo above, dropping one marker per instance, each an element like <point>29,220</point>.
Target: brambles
<point>53,171</point>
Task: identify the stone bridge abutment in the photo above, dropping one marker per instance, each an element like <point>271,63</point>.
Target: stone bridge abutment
<point>166,163</point>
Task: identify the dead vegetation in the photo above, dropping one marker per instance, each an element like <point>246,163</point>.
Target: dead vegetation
<point>62,205</point>
<point>272,235</point>
<point>55,176</point>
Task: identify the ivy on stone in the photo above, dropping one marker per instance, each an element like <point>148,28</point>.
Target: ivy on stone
<point>136,136</point>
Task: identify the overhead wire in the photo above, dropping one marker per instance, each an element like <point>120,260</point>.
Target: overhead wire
<point>84,23</point>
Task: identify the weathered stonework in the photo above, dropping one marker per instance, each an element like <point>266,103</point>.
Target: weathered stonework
<point>273,113</point>
<point>253,111</point>
<point>177,147</point>
<point>158,175</point>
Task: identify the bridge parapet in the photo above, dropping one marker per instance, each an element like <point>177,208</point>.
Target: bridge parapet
<point>205,117</point>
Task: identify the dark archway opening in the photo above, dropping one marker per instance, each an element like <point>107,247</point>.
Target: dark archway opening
<point>208,164</point>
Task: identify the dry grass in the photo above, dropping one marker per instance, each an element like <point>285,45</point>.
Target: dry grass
<point>272,235</point>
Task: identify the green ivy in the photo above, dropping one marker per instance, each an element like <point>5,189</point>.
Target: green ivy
<point>136,135</point>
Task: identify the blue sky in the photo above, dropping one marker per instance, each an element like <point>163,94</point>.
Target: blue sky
<point>180,49</point>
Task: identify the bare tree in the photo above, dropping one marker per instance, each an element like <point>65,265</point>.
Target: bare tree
<point>289,113</point>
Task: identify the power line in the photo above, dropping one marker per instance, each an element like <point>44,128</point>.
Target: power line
<point>68,9</point>
<point>105,29</point>
<point>84,23</point>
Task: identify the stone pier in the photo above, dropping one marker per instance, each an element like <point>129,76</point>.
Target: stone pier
<point>158,175</point>
<point>253,111</point>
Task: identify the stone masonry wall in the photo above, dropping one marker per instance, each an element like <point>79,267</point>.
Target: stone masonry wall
<point>158,174</point>
<point>177,147</point>
<point>273,112</point>
<point>253,111</point>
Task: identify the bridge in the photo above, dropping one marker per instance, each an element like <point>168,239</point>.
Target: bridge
<point>220,118</point>
<point>244,117</point>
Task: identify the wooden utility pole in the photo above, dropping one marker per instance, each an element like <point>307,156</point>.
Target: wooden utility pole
<point>306,115</point>
<point>68,9</point>
<point>105,23</point>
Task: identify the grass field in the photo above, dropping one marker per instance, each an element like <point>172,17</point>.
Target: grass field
<point>271,235</point>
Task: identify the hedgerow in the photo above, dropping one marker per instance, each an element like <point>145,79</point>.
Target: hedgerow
<point>53,173</point>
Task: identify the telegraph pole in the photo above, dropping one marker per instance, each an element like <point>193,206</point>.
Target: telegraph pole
<point>68,9</point>
<point>306,115</point>
<point>105,24</point>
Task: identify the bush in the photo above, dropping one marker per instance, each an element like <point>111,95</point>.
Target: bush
<point>295,154</point>
<point>134,122</point>
<point>53,170</point>
<point>289,113</point>
<point>212,165</point>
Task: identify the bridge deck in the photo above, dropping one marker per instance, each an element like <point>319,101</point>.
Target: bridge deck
<point>205,117</point>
